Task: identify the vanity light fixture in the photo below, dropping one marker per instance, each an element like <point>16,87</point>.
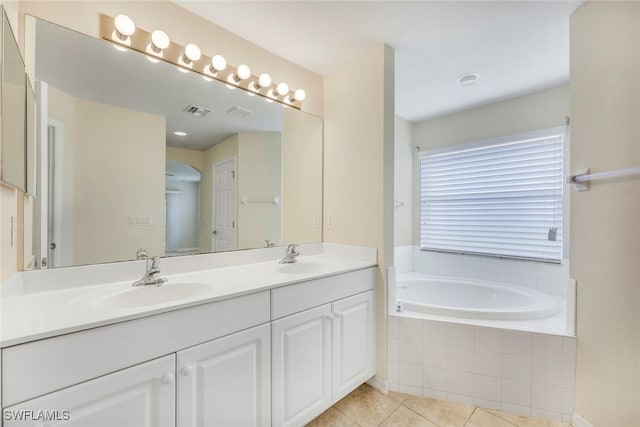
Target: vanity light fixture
<point>180,133</point>
<point>298,95</point>
<point>218,63</point>
<point>281,90</point>
<point>243,72</point>
<point>124,28</point>
<point>157,46</point>
<point>264,80</point>
<point>159,41</point>
<point>191,54</point>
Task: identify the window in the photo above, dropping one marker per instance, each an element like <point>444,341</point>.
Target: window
<point>501,197</point>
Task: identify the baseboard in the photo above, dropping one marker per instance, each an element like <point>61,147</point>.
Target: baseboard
<point>379,384</point>
<point>579,421</point>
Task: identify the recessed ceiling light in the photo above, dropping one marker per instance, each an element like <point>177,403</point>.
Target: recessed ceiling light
<point>180,133</point>
<point>468,79</point>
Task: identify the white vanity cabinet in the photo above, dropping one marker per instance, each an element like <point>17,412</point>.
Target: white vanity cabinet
<point>142,395</point>
<point>301,371</point>
<point>323,353</point>
<point>226,382</point>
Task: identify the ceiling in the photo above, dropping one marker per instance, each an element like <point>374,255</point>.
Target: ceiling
<point>517,47</point>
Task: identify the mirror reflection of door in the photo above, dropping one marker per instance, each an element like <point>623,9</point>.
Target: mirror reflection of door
<point>223,236</point>
<point>182,203</point>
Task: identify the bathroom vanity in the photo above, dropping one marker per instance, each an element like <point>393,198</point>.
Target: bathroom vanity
<point>265,344</point>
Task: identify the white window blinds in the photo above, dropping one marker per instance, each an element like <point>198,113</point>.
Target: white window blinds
<point>501,197</point>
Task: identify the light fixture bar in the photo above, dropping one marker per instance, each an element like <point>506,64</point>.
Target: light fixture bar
<point>141,40</point>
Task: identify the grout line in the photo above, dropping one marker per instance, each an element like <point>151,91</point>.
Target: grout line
<point>475,408</point>
<point>420,415</point>
<point>503,419</point>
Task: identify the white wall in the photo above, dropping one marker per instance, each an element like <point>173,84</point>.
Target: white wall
<point>358,165</point>
<point>605,255</point>
<point>302,178</point>
<point>102,197</point>
<point>404,152</point>
<point>259,174</point>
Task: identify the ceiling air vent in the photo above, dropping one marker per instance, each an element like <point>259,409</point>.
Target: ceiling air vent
<point>196,111</point>
<point>238,112</point>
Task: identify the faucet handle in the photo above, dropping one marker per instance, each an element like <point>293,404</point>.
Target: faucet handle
<point>292,248</point>
<point>153,263</point>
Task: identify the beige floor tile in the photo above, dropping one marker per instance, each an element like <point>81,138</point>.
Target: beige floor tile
<point>332,418</point>
<point>447,414</point>
<point>481,418</point>
<point>519,420</point>
<point>367,406</point>
<point>404,417</point>
<point>398,397</point>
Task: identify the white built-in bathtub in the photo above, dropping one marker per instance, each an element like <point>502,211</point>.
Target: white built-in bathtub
<point>467,298</point>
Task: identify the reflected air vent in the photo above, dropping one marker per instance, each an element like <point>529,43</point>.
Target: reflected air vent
<point>196,111</point>
<point>238,112</point>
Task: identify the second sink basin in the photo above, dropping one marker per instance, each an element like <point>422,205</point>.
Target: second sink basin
<point>141,296</point>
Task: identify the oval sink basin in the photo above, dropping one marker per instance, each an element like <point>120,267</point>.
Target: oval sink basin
<point>141,296</point>
<point>301,268</point>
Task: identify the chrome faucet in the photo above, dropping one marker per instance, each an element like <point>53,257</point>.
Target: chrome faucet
<point>291,254</point>
<point>151,275</point>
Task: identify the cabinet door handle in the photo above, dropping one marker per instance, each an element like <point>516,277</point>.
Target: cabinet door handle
<point>337,315</point>
<point>168,378</point>
<point>186,370</point>
<point>328,316</point>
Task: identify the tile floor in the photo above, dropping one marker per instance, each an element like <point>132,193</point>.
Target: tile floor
<point>367,407</point>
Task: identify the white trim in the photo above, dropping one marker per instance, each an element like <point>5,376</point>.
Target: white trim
<point>580,421</point>
<point>379,384</point>
<point>513,138</point>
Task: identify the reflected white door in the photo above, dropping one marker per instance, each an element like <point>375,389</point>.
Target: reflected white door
<point>223,236</point>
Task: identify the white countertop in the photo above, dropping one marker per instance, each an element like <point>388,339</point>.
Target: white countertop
<point>29,316</point>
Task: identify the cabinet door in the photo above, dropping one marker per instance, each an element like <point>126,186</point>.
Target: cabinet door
<point>226,382</point>
<point>353,343</point>
<point>301,369</point>
<point>143,395</point>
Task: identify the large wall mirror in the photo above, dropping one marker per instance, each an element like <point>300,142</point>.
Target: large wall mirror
<point>13,109</point>
<point>138,154</point>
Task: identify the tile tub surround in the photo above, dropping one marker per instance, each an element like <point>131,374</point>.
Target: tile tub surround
<point>545,277</point>
<point>367,407</point>
<point>519,372</point>
<point>548,278</point>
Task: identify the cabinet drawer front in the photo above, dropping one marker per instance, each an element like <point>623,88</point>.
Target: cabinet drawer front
<point>39,367</point>
<point>298,297</point>
<point>142,395</point>
<point>227,382</point>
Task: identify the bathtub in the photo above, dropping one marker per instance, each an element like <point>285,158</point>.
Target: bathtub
<point>474,299</point>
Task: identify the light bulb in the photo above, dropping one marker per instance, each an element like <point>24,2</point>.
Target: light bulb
<point>264,80</point>
<point>159,40</point>
<point>282,88</point>
<point>124,26</point>
<point>218,63</point>
<point>299,95</point>
<point>191,53</point>
<point>244,72</point>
